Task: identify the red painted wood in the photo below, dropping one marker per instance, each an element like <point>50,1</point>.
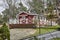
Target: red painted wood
<point>27,16</point>
<point>23,21</point>
<point>23,14</point>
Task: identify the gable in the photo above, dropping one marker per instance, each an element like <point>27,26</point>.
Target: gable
<point>23,14</point>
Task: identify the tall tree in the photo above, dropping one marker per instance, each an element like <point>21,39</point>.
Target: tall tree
<point>1,19</point>
<point>58,8</point>
<point>12,11</point>
<point>50,10</point>
<point>22,8</point>
<point>37,7</point>
<point>9,12</point>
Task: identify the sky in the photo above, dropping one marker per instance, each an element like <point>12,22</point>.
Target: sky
<point>2,5</point>
<point>24,2</point>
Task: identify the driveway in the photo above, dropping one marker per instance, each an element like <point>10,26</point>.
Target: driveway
<point>16,34</point>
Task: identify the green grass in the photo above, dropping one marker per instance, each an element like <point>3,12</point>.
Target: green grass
<point>55,39</point>
<point>42,31</point>
<point>57,26</point>
<point>45,30</point>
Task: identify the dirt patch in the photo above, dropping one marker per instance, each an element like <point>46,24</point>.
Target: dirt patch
<point>17,34</point>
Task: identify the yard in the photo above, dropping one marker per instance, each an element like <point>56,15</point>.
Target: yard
<point>22,33</point>
<point>16,34</point>
<point>55,39</point>
<point>45,30</point>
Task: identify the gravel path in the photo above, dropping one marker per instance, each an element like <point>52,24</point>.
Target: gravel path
<point>16,34</point>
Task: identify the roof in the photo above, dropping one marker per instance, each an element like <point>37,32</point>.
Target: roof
<point>27,13</point>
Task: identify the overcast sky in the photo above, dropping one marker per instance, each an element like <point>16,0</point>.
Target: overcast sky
<point>2,7</point>
<point>2,4</point>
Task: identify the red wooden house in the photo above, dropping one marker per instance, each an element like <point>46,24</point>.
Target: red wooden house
<point>25,20</point>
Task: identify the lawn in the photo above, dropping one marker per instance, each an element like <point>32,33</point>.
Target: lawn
<point>55,39</point>
<point>45,30</point>
<point>53,27</point>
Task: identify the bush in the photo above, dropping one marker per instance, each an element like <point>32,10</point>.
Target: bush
<point>5,33</point>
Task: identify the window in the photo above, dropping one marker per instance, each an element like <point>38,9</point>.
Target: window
<point>23,17</point>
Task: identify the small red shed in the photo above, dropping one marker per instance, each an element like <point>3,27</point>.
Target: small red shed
<point>24,19</point>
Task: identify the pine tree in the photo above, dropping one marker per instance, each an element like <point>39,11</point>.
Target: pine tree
<point>12,11</point>
<point>5,33</point>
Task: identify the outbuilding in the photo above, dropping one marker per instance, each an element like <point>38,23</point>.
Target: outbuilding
<point>24,20</point>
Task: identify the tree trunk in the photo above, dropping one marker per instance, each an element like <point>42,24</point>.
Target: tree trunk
<point>51,22</point>
<point>39,23</point>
